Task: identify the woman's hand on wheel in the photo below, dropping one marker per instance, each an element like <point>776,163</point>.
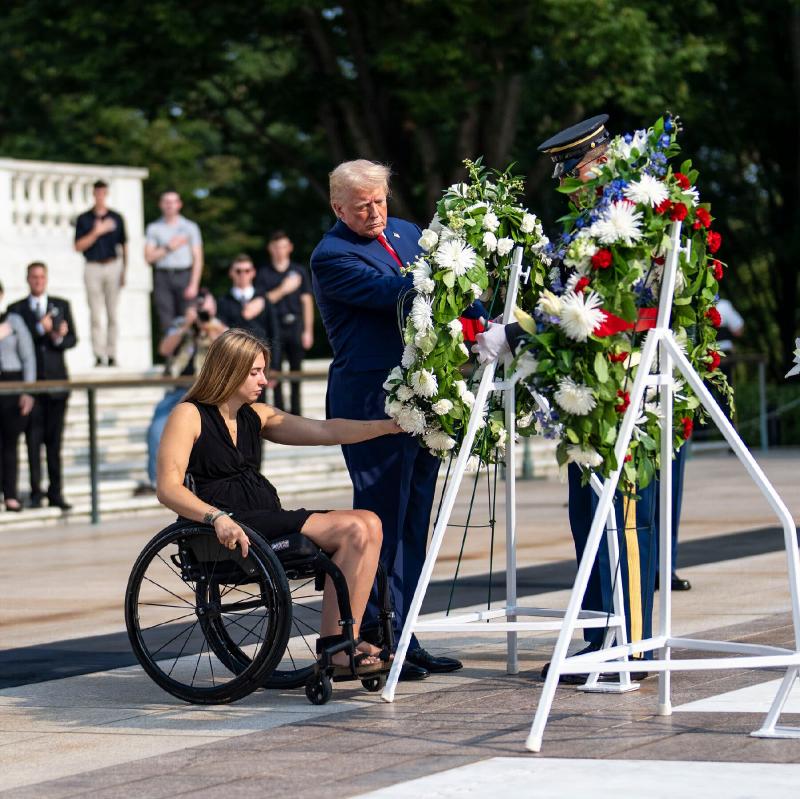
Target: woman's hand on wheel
<point>229,534</point>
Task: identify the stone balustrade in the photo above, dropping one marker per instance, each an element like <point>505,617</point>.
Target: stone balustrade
<point>41,201</point>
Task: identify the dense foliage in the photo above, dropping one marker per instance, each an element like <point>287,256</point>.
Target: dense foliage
<point>246,106</point>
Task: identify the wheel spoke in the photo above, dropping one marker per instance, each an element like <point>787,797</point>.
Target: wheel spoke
<point>172,568</point>
<point>169,621</point>
<point>180,598</point>
<point>303,636</point>
<point>178,656</point>
<point>170,641</point>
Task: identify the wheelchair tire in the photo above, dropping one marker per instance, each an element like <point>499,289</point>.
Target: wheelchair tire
<point>319,689</point>
<point>374,684</point>
<point>185,589</point>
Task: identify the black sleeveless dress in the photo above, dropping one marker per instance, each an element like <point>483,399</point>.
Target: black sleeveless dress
<point>229,477</point>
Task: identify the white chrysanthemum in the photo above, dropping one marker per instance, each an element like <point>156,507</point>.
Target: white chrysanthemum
<point>395,376</point>
<point>392,408</point>
<point>476,290</point>
<point>421,271</point>
<point>439,441</point>
<point>455,327</point>
<point>455,256</point>
<point>424,383</point>
<point>412,420</point>
<point>580,314</point>
<point>473,464</point>
<point>442,407</point>
<point>502,437</point>
<point>404,393</point>
<point>421,314</point>
<point>468,398</point>
<point>648,190</point>
<point>504,246</point>
<point>575,398</point>
<point>490,221</point>
<point>460,386</point>
<point>620,149</point>
<point>428,239</point>
<point>583,457</point>
<point>490,241</point>
<point>619,223</point>
<point>694,195</point>
<point>549,303</point>
<point>528,224</point>
<point>580,251</point>
<point>409,356</point>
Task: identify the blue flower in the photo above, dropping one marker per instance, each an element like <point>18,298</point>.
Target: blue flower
<point>628,138</point>
<point>664,141</point>
<point>668,126</point>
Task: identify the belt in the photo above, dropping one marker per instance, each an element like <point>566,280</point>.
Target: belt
<point>173,268</point>
<point>101,261</point>
<point>288,318</point>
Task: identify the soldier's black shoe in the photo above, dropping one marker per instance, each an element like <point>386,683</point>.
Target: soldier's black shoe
<point>580,679</point>
<point>676,583</point>
<point>410,672</point>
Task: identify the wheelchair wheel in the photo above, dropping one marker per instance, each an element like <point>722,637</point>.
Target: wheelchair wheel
<point>206,624</point>
<point>374,684</point>
<point>299,659</point>
<point>319,689</point>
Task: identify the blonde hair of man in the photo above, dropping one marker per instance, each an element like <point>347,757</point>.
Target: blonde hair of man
<point>350,175</point>
<point>226,366</point>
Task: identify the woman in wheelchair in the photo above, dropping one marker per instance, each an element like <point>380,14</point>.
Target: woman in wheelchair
<point>214,435</point>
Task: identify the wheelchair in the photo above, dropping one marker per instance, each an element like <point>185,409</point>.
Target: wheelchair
<point>210,627</point>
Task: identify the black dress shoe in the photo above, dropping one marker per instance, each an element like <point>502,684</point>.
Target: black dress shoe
<point>59,502</point>
<point>436,665</point>
<point>676,583</point>
<point>679,584</point>
<point>411,672</point>
<point>606,676</point>
<point>35,501</point>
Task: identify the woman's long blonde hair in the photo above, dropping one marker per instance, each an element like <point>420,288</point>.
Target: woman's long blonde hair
<point>227,364</point>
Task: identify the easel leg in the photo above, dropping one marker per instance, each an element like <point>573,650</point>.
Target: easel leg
<point>769,728</point>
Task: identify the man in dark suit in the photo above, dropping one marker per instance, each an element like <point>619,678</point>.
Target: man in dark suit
<point>50,321</point>
<point>357,284</point>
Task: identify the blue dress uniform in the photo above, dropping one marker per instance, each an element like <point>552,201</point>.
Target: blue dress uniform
<point>637,522</point>
<point>357,285</point>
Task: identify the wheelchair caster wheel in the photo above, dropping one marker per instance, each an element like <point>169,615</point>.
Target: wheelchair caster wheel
<point>374,684</point>
<point>319,689</point>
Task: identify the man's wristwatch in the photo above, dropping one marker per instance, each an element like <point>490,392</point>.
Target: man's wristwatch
<point>212,515</point>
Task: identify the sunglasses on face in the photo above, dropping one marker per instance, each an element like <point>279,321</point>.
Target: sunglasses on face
<point>242,271</point>
<point>575,172</point>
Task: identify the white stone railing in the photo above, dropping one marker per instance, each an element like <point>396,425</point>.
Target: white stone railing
<point>39,203</point>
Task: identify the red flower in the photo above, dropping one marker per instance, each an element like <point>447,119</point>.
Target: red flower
<point>683,181</point>
<point>625,398</point>
<point>618,357</point>
<point>703,217</point>
<point>688,426</point>
<point>582,284</point>
<point>714,317</point>
<point>663,207</point>
<point>717,267</point>
<point>715,360</point>
<point>714,241</point>
<point>602,259</point>
<point>660,260</point>
<point>628,458</point>
<point>678,213</point>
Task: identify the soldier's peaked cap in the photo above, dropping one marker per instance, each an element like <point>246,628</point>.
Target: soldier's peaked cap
<point>576,141</point>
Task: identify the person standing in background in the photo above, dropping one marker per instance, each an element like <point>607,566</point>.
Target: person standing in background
<point>49,321</point>
<point>286,285</point>
<point>174,246</point>
<point>100,236</point>
<point>17,362</point>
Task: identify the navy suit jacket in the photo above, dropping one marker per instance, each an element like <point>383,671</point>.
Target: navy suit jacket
<point>357,285</point>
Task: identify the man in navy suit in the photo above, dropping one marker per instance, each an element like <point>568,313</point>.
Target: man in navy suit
<point>358,286</point>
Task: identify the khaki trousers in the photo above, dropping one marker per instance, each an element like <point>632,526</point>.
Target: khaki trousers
<point>102,291</point>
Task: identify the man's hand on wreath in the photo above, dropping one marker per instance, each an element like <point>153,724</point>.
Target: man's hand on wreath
<point>491,344</point>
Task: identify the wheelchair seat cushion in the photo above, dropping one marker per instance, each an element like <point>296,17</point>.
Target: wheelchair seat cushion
<point>293,547</point>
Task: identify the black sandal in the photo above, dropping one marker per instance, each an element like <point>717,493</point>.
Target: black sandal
<point>356,669</point>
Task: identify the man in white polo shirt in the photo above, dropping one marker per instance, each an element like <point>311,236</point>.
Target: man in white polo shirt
<point>174,247</point>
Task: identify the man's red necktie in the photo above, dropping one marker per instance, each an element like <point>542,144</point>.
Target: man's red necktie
<point>388,247</point>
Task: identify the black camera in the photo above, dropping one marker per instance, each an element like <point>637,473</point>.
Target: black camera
<point>202,314</point>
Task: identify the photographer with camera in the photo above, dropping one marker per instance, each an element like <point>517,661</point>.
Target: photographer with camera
<point>184,345</point>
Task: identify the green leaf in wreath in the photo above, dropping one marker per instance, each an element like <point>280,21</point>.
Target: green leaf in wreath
<point>601,367</point>
<point>449,279</point>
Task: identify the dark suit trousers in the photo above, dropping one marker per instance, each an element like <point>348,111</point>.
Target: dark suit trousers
<point>395,477</point>
<point>12,423</point>
<point>289,348</point>
<point>46,426</point>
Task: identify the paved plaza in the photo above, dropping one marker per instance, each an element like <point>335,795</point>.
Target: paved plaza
<point>78,717</point>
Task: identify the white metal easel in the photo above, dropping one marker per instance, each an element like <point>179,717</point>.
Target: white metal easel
<point>507,619</point>
<point>660,343</point>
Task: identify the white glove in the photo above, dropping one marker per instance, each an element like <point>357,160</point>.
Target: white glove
<point>492,344</point>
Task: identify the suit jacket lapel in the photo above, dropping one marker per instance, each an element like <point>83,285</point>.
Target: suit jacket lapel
<point>375,249</point>
<point>403,245</point>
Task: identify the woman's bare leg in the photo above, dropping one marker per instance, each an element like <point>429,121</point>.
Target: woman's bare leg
<point>353,541</point>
